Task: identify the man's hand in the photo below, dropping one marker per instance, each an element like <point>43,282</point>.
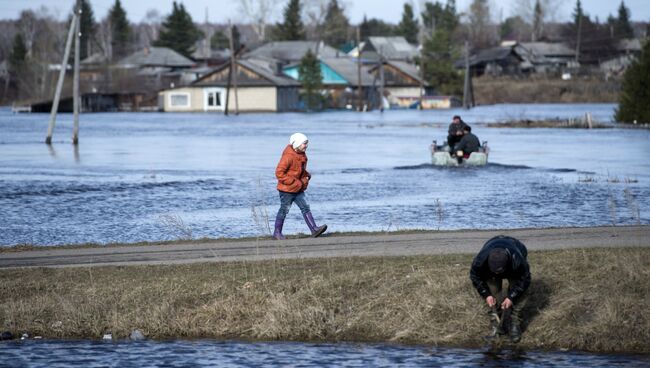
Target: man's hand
<point>491,301</point>
<point>507,303</point>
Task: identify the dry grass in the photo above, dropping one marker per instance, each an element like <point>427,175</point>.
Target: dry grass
<point>587,299</point>
<point>544,90</point>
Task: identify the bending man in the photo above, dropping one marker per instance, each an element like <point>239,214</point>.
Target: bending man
<point>502,258</point>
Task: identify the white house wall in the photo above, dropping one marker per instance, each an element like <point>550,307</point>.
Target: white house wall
<point>251,99</point>
<point>254,99</point>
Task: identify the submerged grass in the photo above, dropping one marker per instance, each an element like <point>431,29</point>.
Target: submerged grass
<point>586,299</point>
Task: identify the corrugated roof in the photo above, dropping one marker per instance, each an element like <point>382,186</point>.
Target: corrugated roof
<point>156,56</point>
<point>290,51</point>
<point>549,49</point>
<point>393,48</point>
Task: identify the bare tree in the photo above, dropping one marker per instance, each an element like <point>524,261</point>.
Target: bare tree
<point>526,10</point>
<point>259,13</point>
<point>480,21</point>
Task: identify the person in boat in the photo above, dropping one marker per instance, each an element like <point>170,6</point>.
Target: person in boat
<point>502,258</point>
<point>293,179</point>
<point>468,143</point>
<point>455,131</point>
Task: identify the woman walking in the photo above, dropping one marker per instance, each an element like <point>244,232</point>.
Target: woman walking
<point>293,179</point>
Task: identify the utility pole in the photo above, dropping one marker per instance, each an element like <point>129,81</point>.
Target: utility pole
<point>468,93</point>
<point>421,106</point>
<point>233,66</point>
<point>76,100</point>
<point>579,36</point>
<point>359,91</point>
<point>381,82</point>
<point>59,83</point>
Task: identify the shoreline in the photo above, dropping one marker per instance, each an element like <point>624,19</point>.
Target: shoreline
<point>413,300</point>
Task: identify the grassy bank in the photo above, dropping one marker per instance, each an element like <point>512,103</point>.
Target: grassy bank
<point>490,90</point>
<point>587,299</point>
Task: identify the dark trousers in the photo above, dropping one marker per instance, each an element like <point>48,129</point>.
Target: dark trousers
<point>452,140</point>
<point>287,199</point>
<point>499,292</point>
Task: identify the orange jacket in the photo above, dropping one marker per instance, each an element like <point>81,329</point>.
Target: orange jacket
<point>291,172</point>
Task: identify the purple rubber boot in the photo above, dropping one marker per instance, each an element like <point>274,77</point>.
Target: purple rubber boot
<point>316,231</point>
<point>277,234</point>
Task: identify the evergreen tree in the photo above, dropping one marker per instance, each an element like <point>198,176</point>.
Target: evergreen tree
<point>120,30</point>
<point>408,26</point>
<point>179,32</point>
<point>635,94</point>
<point>87,28</point>
<point>622,27</point>
<point>335,27</point>
<point>310,76</point>
<point>578,13</point>
<point>18,54</point>
<point>438,49</point>
<point>292,29</point>
<point>375,28</point>
<point>438,64</point>
<point>538,22</point>
<point>435,16</point>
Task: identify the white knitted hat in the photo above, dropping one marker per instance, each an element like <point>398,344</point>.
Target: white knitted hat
<point>297,139</point>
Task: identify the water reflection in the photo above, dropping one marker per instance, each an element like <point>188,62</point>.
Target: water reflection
<point>203,353</point>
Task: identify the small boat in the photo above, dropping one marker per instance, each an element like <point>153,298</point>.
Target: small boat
<point>441,156</point>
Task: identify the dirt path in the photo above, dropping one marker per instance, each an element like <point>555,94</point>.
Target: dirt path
<point>374,244</point>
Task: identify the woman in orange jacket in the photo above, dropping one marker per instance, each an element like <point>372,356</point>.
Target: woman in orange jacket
<point>293,179</point>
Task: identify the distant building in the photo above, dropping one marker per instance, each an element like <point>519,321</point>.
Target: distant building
<point>508,59</point>
<point>341,82</point>
<point>386,48</point>
<point>551,56</point>
<point>402,82</point>
<point>261,87</point>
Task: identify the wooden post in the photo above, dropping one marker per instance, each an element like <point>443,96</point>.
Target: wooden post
<point>381,83</point>
<point>360,91</point>
<point>59,83</point>
<point>75,82</point>
<point>421,107</point>
<point>233,67</point>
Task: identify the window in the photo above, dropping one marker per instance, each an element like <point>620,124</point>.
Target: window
<point>179,100</point>
<point>213,98</point>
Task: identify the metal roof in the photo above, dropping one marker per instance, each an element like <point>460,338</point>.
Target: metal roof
<point>155,56</point>
<point>290,51</point>
<point>393,48</point>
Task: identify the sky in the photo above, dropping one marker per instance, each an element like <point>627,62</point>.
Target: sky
<point>220,11</point>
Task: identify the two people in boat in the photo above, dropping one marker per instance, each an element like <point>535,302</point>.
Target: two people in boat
<point>462,142</point>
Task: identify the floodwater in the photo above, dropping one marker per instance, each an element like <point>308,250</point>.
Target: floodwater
<point>202,353</point>
<point>150,177</point>
<point>156,176</point>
